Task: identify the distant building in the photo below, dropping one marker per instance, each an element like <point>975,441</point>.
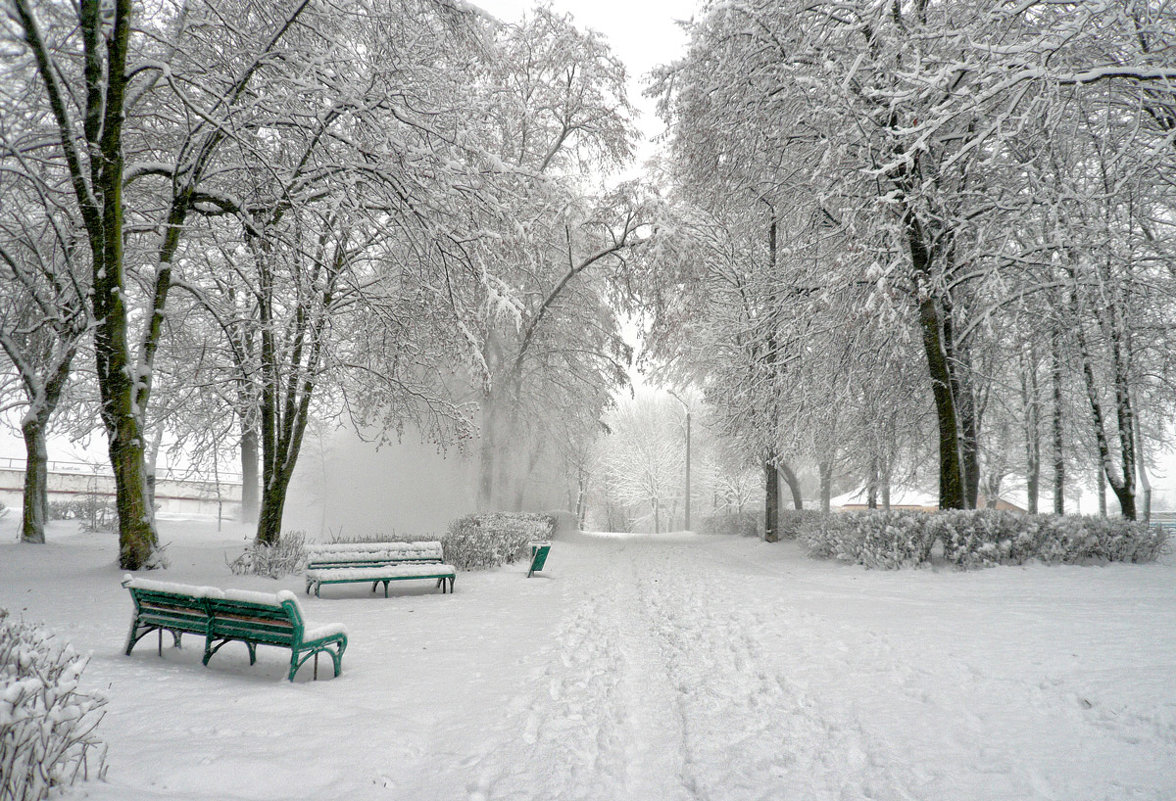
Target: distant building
<point>912,501</point>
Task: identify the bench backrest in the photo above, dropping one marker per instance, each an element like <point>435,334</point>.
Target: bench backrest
<point>274,619</point>
<point>350,554</point>
<point>170,605</point>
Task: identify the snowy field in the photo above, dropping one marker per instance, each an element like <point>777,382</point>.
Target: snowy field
<point>671,667</point>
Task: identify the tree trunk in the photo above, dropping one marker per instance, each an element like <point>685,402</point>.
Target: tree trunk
<point>1032,430</point>
<point>1059,456</point>
<point>826,471</point>
<point>771,501</point>
<point>951,488</point>
<point>36,482</point>
<point>1122,485</point>
<point>793,485</point>
<point>250,488</point>
<point>273,504</point>
<point>487,455</point>
<point>872,485</point>
<point>932,321</point>
<point>1102,492</point>
<point>1144,481</point>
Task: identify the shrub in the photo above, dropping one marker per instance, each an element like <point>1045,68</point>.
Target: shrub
<point>340,537</point>
<point>47,725</point>
<point>794,521</point>
<point>743,524</point>
<point>481,541</point>
<point>978,538</point>
<point>874,539</point>
<point>261,559</point>
<point>986,537</point>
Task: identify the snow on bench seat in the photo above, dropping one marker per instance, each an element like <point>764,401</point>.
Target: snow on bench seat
<point>379,563</point>
<point>349,553</point>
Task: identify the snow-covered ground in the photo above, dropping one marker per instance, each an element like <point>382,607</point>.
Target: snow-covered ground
<point>670,667</point>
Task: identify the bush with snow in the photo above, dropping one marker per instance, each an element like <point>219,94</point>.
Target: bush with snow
<point>285,557</point>
<point>874,539</point>
<point>794,521</point>
<point>742,524</point>
<point>491,539</point>
<point>47,725</point>
<point>978,538</point>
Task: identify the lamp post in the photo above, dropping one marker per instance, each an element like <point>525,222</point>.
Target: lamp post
<point>686,407</point>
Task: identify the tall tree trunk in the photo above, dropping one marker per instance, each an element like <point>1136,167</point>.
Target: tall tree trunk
<point>951,487</point>
<point>250,487</point>
<point>488,454</point>
<point>771,501</point>
<point>1031,429</point>
<point>1059,454</point>
<point>1102,491</point>
<point>826,471</point>
<point>932,322</point>
<point>36,482</point>
<point>793,485</point>
<point>1144,481</point>
<point>872,485</point>
<point>1123,485</point>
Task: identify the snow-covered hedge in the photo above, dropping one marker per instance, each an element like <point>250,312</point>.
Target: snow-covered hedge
<point>286,557</point>
<point>873,539</point>
<point>47,725</point>
<point>978,538</point>
<point>743,524</point>
<point>988,537</point>
<point>481,541</point>
<point>793,521</point>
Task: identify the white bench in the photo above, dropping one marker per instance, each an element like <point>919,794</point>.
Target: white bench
<point>377,562</point>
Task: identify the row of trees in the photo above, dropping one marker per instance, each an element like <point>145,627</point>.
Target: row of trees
<point>899,217</point>
<point>247,213</point>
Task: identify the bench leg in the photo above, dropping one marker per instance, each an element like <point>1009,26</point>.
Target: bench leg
<point>385,589</point>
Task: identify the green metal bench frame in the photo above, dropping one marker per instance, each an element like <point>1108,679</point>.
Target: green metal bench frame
<point>221,620</point>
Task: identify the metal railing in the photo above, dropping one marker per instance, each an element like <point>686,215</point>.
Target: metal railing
<point>17,464</point>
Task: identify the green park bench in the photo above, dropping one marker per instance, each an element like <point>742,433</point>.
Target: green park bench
<point>224,616</point>
<point>539,551</point>
<point>377,562</point>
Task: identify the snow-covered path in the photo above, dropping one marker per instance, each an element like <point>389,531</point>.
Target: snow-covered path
<point>675,668</point>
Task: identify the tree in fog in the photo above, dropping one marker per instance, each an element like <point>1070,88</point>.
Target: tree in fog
<point>532,292</point>
<point>642,460</point>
